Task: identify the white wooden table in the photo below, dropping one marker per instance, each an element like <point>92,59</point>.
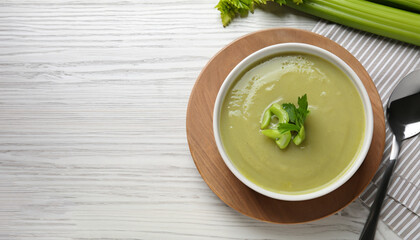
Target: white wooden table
<point>93,98</point>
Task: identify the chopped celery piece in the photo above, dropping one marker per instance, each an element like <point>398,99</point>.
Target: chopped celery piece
<point>281,114</point>
<point>272,133</point>
<point>266,119</point>
<point>298,139</point>
<point>284,140</point>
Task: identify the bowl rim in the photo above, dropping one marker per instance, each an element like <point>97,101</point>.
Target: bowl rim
<point>306,49</point>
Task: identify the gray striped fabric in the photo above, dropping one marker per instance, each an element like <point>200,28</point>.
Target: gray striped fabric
<point>387,61</point>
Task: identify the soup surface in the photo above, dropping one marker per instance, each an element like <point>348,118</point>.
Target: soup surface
<point>334,127</point>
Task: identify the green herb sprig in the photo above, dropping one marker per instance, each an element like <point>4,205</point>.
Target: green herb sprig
<point>297,116</point>
<point>291,122</point>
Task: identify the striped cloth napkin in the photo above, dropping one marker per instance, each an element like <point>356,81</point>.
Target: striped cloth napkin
<point>387,61</point>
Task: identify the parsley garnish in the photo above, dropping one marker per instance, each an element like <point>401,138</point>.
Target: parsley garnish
<point>284,127</point>
<point>297,116</point>
<point>291,119</point>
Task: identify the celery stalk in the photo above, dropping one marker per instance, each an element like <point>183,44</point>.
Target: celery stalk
<point>383,9</point>
<point>409,5</point>
<point>384,12</point>
<point>380,26</point>
<point>388,20</point>
<point>360,14</point>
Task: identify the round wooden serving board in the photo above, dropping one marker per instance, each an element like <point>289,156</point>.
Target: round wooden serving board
<point>214,171</point>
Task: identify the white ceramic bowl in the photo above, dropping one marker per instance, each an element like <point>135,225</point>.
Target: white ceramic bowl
<point>299,48</point>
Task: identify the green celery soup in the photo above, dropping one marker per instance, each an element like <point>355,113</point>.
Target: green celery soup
<point>334,127</point>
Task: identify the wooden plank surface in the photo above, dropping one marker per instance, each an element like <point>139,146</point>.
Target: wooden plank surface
<point>93,98</point>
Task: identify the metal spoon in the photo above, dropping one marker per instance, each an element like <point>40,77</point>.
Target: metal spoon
<point>403,114</point>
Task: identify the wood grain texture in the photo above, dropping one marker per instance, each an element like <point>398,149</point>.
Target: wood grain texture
<point>216,174</point>
<point>93,96</point>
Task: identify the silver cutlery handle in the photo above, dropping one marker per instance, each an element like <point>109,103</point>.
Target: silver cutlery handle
<point>369,230</point>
